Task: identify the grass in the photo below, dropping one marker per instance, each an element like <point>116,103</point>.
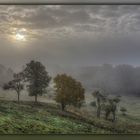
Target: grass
<point>27,118</point>
<point>47,118</point>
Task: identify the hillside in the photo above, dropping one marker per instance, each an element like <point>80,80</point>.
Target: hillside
<point>44,118</point>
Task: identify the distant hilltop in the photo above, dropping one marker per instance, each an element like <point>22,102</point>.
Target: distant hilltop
<point>6,74</point>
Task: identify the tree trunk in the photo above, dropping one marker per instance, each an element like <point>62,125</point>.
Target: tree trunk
<point>35,98</point>
<point>107,113</point>
<point>62,106</point>
<point>18,96</point>
<point>98,108</point>
<point>98,111</point>
<point>114,116</point>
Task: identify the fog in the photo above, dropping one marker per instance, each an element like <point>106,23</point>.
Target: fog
<point>80,40</point>
<point>120,79</point>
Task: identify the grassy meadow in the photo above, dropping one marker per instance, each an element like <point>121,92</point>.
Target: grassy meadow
<point>46,117</point>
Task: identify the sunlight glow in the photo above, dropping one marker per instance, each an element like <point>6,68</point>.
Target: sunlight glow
<point>20,37</point>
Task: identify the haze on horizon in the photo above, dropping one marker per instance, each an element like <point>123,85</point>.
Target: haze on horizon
<point>66,37</point>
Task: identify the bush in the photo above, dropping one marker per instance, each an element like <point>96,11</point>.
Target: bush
<point>123,110</point>
<point>93,104</point>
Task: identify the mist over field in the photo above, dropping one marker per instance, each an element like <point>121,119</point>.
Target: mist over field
<point>97,44</point>
<point>118,80</point>
<point>69,69</point>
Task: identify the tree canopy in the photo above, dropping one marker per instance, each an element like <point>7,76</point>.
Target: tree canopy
<point>37,77</point>
<point>68,91</point>
<point>15,84</point>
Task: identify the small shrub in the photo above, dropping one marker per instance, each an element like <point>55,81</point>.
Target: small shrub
<point>123,110</point>
<point>93,104</point>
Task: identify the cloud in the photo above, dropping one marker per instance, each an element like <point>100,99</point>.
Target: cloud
<point>109,18</point>
<point>73,35</point>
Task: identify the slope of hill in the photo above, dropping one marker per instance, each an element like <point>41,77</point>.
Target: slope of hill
<point>44,118</point>
<point>29,118</point>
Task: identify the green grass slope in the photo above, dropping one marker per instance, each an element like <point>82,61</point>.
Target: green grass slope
<point>43,118</point>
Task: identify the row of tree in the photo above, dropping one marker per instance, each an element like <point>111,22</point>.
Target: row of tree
<point>36,79</point>
<point>68,90</point>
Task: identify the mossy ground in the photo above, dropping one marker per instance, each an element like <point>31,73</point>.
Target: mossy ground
<point>34,119</point>
<point>29,118</point>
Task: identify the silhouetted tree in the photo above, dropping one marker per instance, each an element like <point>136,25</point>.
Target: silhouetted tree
<point>68,91</point>
<point>99,98</point>
<point>37,77</point>
<point>15,84</point>
<point>111,107</point>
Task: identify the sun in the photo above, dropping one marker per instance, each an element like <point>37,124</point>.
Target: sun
<point>20,37</point>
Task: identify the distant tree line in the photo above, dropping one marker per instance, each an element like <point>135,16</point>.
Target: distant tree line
<point>120,79</point>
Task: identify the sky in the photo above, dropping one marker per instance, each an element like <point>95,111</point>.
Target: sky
<point>69,36</point>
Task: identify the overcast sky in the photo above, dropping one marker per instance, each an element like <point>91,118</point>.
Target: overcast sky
<point>70,36</point>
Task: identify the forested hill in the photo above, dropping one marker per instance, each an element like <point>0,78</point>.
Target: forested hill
<point>120,79</point>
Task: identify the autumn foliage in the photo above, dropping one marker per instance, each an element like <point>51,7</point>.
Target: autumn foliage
<point>68,91</point>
